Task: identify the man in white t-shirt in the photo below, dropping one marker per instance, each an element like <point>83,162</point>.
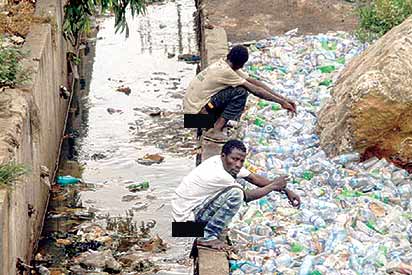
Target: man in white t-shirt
<point>221,90</point>
<point>211,195</point>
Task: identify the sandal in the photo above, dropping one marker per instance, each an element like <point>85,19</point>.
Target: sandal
<point>219,141</point>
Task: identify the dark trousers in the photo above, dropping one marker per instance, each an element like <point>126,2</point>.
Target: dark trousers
<point>228,103</point>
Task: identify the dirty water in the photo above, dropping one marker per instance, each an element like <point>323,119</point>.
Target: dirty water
<point>133,108</point>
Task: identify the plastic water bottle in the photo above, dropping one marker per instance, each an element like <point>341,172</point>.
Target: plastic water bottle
<point>67,180</point>
<point>368,163</point>
<point>259,149</point>
<point>308,140</point>
<point>405,190</point>
<point>321,155</point>
<point>335,237</point>
<point>270,244</point>
<point>265,205</point>
<point>355,264</point>
<point>262,230</point>
<point>321,205</point>
<point>307,265</point>
<point>281,239</point>
<point>346,158</point>
<point>399,176</point>
<point>283,260</point>
<point>249,267</point>
<point>288,163</point>
<point>269,267</point>
<point>358,183</point>
<point>269,129</point>
<point>310,218</point>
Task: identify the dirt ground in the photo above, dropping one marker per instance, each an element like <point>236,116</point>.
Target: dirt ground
<point>250,20</point>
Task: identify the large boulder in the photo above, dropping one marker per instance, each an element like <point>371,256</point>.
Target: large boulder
<point>371,106</point>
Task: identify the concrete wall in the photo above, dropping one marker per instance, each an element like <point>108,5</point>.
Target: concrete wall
<point>31,125</point>
<point>213,45</point>
<point>212,40</point>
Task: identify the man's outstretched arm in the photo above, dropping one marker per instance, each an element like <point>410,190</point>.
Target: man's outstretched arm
<point>263,183</point>
<point>251,195</point>
<point>261,90</point>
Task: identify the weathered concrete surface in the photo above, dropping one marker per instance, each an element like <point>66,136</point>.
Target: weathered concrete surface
<point>371,107</point>
<point>31,123</point>
<point>213,45</point>
<point>249,20</point>
<point>212,42</point>
<point>212,262</point>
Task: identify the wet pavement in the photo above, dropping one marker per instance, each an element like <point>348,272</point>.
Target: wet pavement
<point>131,113</point>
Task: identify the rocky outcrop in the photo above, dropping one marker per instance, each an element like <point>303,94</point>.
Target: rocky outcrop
<point>371,107</point>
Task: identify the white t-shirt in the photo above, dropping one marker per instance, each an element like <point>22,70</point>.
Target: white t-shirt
<point>202,183</point>
<point>210,81</point>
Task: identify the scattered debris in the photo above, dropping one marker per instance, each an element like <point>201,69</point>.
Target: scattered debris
<point>150,197</point>
<point>112,111</point>
<point>150,159</point>
<point>123,89</point>
<point>17,40</point>
<point>129,198</point>
<point>97,156</point>
<point>142,265</point>
<point>138,186</point>
<point>189,58</point>
<point>98,260</point>
<point>139,206</point>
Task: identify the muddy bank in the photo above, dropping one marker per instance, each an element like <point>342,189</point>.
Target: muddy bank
<point>244,21</point>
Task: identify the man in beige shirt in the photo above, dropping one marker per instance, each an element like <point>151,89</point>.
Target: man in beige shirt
<point>221,90</point>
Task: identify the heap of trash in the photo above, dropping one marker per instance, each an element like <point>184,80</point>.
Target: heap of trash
<point>81,241</point>
<point>355,217</point>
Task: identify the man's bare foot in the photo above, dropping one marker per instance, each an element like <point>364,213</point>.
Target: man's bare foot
<point>214,244</point>
<point>216,135</point>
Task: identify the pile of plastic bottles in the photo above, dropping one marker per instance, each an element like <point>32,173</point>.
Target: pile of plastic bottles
<point>355,218</point>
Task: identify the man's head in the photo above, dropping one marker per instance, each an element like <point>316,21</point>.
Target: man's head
<point>237,57</point>
<point>233,155</point>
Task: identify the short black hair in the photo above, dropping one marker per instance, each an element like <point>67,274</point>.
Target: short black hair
<point>238,55</point>
<point>233,144</point>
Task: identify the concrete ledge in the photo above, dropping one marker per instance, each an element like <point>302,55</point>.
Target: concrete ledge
<point>213,45</point>
<point>211,262</point>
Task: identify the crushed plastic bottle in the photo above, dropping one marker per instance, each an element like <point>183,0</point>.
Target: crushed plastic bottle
<point>67,180</point>
<point>311,218</point>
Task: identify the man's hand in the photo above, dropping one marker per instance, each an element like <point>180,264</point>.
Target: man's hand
<point>293,198</point>
<point>289,105</point>
<point>279,183</point>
